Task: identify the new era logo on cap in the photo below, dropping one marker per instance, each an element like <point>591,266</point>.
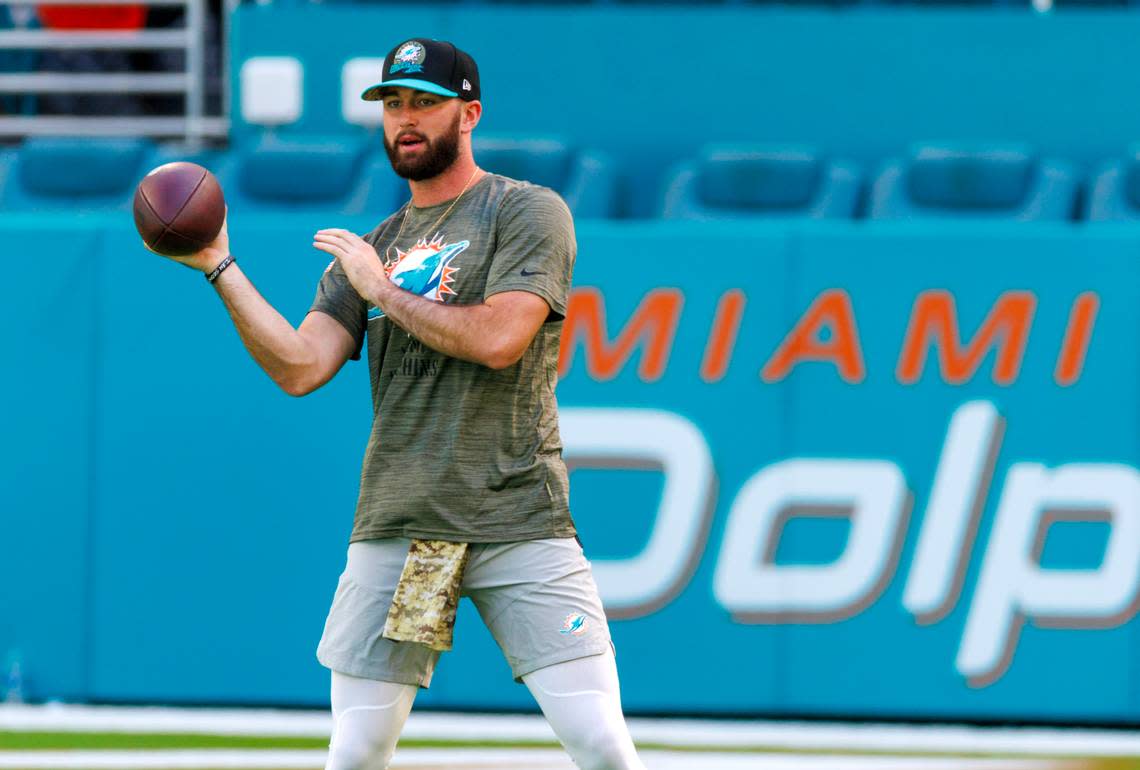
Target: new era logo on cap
<point>435,66</point>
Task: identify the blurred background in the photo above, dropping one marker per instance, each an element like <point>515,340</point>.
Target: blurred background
<point>849,380</point>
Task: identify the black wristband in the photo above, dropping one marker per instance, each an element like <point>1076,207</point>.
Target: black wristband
<point>213,275</point>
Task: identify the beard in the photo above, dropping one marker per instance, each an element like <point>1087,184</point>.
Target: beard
<point>438,154</point>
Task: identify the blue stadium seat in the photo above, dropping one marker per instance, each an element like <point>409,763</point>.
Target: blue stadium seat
<point>312,174</point>
<point>1114,193</point>
<point>80,174</point>
<point>169,153</point>
<point>585,179</point>
<point>761,181</point>
<point>1082,4</point>
<point>973,181</point>
<point>946,3</point>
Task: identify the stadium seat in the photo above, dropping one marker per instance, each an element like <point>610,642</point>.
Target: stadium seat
<point>585,179</point>
<point>169,153</point>
<point>1080,4</point>
<point>945,3</point>
<point>973,181</point>
<point>310,173</point>
<point>1114,193</point>
<point>271,90</point>
<point>761,181</point>
<point>87,17</point>
<point>81,174</point>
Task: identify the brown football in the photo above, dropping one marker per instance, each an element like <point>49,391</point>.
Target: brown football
<point>179,208</point>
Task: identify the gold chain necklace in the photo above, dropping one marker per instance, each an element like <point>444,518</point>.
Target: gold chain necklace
<point>388,261</point>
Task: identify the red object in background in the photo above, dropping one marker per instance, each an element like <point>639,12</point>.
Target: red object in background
<point>93,16</point>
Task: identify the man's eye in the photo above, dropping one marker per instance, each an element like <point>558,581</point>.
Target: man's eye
<point>392,104</point>
<point>427,102</point>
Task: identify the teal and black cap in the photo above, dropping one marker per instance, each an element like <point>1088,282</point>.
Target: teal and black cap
<point>435,66</point>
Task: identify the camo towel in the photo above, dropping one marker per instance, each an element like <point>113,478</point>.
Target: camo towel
<point>423,607</point>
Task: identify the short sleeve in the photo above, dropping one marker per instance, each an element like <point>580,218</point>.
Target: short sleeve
<point>337,297</point>
<point>534,248</point>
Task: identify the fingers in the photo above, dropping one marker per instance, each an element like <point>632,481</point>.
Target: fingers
<point>329,248</point>
<point>338,240</point>
<point>344,235</point>
<point>340,249</point>
<point>341,243</point>
<point>324,237</point>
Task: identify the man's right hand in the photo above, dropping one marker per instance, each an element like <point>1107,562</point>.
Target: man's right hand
<point>209,256</point>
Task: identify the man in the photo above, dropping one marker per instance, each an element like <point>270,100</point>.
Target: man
<point>460,295</point>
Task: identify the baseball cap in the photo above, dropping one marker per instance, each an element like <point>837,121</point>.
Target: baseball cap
<point>435,66</point>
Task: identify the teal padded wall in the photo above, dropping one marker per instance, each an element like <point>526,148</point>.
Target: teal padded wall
<point>174,525</point>
<point>50,340</point>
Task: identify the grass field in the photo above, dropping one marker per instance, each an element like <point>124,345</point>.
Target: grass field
<point>160,745</point>
<point>80,739</point>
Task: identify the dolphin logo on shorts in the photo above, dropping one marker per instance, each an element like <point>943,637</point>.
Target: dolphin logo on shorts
<point>574,625</point>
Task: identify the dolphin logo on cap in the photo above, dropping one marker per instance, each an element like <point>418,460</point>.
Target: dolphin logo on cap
<point>409,58</point>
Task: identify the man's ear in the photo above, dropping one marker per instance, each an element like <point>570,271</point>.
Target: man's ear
<point>472,112</point>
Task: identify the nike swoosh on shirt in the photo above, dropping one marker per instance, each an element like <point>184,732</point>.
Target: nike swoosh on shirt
<point>527,273</point>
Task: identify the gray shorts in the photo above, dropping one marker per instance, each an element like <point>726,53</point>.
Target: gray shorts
<point>537,598</point>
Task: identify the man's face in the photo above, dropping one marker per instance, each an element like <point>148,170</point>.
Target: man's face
<point>421,132</point>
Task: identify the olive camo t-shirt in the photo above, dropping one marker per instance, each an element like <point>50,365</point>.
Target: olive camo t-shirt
<point>459,451</point>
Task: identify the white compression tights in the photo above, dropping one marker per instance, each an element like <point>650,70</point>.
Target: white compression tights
<point>579,698</point>
<point>367,719</point>
<point>581,701</point>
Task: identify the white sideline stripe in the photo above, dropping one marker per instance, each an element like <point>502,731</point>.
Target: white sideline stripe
<point>666,732</point>
<point>164,719</point>
<point>499,759</point>
<point>163,759</point>
<point>688,761</point>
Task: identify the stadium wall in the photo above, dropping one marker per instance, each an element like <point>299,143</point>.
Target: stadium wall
<point>862,469</point>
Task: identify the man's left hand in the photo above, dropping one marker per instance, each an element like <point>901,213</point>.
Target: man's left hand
<point>358,259</point>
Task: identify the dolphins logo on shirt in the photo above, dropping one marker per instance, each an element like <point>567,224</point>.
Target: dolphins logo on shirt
<point>425,269</point>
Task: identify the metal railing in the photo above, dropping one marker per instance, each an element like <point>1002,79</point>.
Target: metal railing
<point>192,126</point>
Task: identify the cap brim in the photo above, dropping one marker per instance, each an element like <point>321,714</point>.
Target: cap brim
<point>372,93</point>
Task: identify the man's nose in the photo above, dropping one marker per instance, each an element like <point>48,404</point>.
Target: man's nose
<point>407,117</point>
